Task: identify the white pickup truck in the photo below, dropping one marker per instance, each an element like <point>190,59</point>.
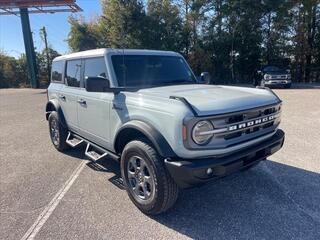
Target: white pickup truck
<point>167,128</point>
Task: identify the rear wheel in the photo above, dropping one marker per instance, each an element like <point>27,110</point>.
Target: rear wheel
<point>148,183</point>
<point>58,133</point>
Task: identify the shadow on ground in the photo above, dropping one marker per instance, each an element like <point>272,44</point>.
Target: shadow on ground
<point>270,201</point>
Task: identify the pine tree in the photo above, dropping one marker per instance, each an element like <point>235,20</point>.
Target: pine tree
<point>122,24</point>
<point>165,25</point>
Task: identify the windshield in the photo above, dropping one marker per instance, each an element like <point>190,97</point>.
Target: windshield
<point>271,69</point>
<point>151,70</point>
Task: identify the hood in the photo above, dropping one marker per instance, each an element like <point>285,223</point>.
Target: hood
<point>210,100</point>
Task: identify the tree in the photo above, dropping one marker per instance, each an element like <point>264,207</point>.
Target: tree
<point>165,25</point>
<point>82,35</point>
<point>14,73</point>
<point>229,38</point>
<point>276,22</point>
<point>306,15</point>
<point>122,24</point>
<point>7,71</point>
<point>42,64</point>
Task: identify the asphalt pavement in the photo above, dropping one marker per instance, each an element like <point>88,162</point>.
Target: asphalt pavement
<point>45,194</point>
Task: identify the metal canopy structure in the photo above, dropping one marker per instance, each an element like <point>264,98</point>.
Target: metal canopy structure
<point>22,8</point>
<point>8,7</point>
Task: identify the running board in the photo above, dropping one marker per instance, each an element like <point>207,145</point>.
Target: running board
<point>92,154</point>
<point>73,141</point>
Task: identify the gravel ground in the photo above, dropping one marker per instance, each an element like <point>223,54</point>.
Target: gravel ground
<point>278,199</point>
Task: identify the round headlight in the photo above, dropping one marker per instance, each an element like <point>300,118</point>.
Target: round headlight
<point>267,76</point>
<point>201,132</point>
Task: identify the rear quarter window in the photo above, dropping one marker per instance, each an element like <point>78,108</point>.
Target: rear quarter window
<point>56,71</point>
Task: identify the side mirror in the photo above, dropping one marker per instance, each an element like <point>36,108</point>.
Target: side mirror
<point>205,78</point>
<point>259,71</point>
<point>97,84</point>
<point>288,70</point>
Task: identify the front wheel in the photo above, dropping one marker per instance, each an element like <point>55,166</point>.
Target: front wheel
<point>148,183</point>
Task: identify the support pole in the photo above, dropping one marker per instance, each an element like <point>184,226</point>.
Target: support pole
<point>28,43</point>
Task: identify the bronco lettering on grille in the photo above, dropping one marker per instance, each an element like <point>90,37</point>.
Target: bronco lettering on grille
<point>251,123</point>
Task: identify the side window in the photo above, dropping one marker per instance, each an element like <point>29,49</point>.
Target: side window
<point>95,67</point>
<point>73,73</point>
<point>56,71</point>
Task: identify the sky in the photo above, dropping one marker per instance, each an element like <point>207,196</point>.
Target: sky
<point>57,26</point>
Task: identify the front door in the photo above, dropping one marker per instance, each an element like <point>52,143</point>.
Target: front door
<point>94,108</point>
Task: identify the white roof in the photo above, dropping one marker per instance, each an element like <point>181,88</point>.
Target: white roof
<point>104,51</point>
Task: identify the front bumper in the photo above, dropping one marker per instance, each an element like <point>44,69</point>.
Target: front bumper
<point>188,173</point>
<point>277,83</point>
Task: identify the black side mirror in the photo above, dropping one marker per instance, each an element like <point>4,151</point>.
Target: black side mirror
<point>205,78</point>
<point>97,84</point>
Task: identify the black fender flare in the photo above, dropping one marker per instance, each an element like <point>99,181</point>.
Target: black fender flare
<point>54,105</point>
<point>151,133</point>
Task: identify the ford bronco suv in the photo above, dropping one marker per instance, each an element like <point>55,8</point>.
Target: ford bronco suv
<point>273,76</point>
<point>167,128</point>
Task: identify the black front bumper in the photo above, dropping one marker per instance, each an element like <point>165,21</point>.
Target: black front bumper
<point>188,173</point>
<point>277,85</point>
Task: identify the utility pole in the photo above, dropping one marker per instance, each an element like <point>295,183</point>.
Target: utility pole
<point>23,8</point>
<point>43,33</point>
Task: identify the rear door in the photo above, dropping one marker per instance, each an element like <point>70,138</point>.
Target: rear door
<point>94,108</point>
<point>69,93</point>
<point>56,82</point>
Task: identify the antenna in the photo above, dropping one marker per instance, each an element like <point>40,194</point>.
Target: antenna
<point>124,69</point>
<point>123,61</point>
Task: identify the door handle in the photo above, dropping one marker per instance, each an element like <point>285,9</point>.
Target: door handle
<point>62,97</point>
<point>82,102</point>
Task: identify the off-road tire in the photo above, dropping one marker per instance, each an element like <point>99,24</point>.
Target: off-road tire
<point>165,189</point>
<point>61,144</point>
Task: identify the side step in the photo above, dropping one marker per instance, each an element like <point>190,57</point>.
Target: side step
<point>73,141</point>
<point>93,154</point>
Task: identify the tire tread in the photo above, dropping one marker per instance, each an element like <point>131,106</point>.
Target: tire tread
<point>170,188</point>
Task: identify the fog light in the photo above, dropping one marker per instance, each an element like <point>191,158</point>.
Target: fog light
<point>209,171</point>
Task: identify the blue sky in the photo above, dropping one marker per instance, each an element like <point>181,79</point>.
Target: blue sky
<point>11,39</point>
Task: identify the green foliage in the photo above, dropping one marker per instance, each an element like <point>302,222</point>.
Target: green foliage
<point>122,24</point>
<point>165,25</point>
<point>7,71</point>
<point>42,64</point>
<point>14,72</point>
<point>82,35</point>
<point>229,38</point>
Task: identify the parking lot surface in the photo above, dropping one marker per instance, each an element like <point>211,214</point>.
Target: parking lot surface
<point>278,199</point>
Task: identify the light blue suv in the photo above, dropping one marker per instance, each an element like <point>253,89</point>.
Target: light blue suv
<point>168,129</point>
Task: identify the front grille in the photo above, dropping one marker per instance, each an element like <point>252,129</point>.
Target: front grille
<point>246,122</point>
<point>235,119</point>
<point>235,128</point>
<point>278,76</point>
